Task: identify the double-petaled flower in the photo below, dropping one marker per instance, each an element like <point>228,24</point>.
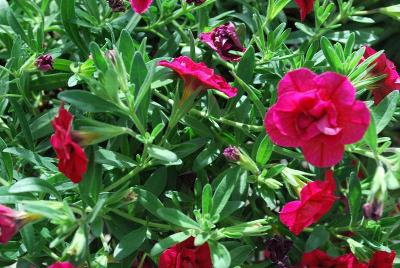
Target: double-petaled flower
<point>223,40</point>
<point>319,114</point>
<point>72,159</point>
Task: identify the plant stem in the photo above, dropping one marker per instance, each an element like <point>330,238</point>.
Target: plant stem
<point>208,116</point>
<point>125,178</point>
<point>141,221</point>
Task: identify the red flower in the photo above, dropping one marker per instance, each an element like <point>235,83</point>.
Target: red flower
<point>383,66</point>
<point>306,6</point>
<point>61,265</point>
<point>349,261</point>
<point>318,113</point>
<point>140,6</point>
<point>382,259</point>
<point>316,199</point>
<point>9,224</point>
<point>72,158</point>
<point>317,259</point>
<point>185,254</point>
<point>197,76</point>
<point>224,39</point>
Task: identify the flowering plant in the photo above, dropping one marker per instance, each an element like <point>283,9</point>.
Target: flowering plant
<point>199,133</point>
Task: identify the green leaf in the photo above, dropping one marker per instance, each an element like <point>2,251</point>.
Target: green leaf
<point>264,151</point>
<point>68,19</point>
<point>26,131</point>
<point>149,201</point>
<point>371,137</point>
<point>168,242</point>
<point>318,237</point>
<point>130,243</point>
<point>240,254</point>
<point>162,154</point>
<point>220,255</point>
<point>87,101</point>
<point>245,68</point>
<point>32,157</point>
<point>206,199</point>
<point>34,185</point>
<point>206,157</point>
<point>383,113</point>
<point>224,190</point>
<point>98,57</point>
<point>177,218</point>
<point>354,196</point>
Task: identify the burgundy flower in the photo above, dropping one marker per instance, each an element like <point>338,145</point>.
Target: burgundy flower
<point>316,199</point>
<point>72,159</point>
<point>318,113</point>
<point>224,39</point>
<point>383,66</point>
<point>197,76</point>
<point>61,265</point>
<point>196,2</point>
<point>140,6</point>
<point>278,247</point>
<point>185,254</point>
<point>317,259</point>
<point>232,153</point>
<point>382,259</point>
<point>44,63</point>
<point>116,5</point>
<point>306,6</point>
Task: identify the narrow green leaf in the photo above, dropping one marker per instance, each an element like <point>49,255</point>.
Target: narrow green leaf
<point>34,185</point>
<point>168,242</point>
<point>130,243</point>
<point>177,218</point>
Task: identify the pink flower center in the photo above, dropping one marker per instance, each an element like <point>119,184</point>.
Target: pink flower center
<point>317,117</point>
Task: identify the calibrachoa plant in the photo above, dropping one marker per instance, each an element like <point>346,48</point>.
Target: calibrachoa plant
<point>199,133</point>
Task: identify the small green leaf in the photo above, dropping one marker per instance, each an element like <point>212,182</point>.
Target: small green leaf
<point>206,199</point>
<point>264,151</point>
<point>383,113</point>
<point>177,218</point>
<point>130,243</point>
<point>163,154</point>
<point>220,256</point>
<point>318,237</point>
<point>371,137</point>
<point>149,201</point>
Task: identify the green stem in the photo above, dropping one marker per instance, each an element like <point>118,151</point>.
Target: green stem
<point>287,152</point>
<point>141,221</point>
<point>208,116</point>
<point>125,178</point>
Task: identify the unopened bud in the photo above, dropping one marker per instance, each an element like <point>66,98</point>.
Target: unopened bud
<point>373,210</point>
<point>232,153</point>
<point>44,63</point>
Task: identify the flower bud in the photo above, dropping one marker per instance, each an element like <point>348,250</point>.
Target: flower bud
<point>12,221</point>
<point>232,153</point>
<point>44,63</point>
<point>116,5</point>
<point>373,210</point>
